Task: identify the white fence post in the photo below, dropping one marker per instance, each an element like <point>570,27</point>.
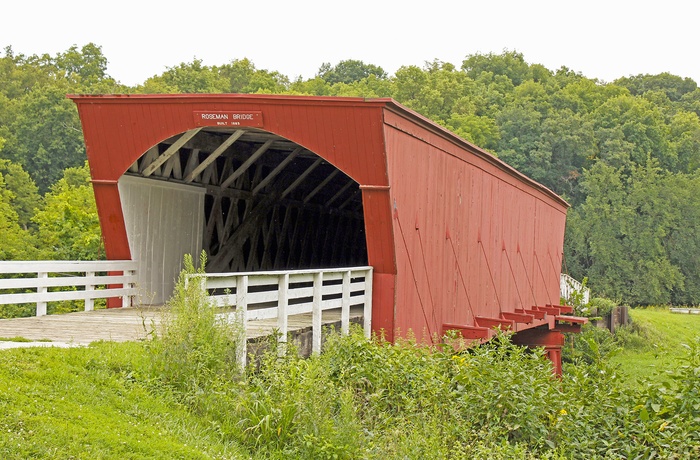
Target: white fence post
<point>89,287</point>
<point>367,315</point>
<point>282,313</point>
<point>41,306</point>
<point>316,313</point>
<point>242,304</point>
<point>127,300</point>
<point>345,305</point>
<point>567,285</point>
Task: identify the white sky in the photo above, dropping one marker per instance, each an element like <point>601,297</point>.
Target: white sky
<point>603,39</point>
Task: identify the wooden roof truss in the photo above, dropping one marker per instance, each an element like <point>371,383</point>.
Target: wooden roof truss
<point>270,204</point>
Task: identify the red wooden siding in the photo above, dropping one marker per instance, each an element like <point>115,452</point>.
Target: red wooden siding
<point>473,238</point>
<point>347,133</point>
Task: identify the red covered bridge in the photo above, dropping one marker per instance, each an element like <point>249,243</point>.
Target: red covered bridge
<point>457,239</point>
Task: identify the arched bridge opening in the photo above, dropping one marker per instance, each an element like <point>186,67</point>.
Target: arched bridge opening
<point>254,201</point>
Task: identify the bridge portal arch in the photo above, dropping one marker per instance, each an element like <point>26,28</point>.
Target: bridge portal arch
<point>251,199</point>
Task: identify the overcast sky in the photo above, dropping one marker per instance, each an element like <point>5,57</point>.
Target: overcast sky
<point>603,39</point>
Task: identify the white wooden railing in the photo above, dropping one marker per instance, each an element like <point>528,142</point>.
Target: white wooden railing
<point>279,294</point>
<point>60,280</point>
<point>567,285</point>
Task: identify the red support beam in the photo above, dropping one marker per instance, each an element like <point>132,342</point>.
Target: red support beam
<point>490,323</point>
<point>549,309</point>
<point>563,327</point>
<point>571,319</point>
<point>535,313</point>
<point>551,341</point>
<point>383,292</point>
<point>518,317</point>
<point>468,332</point>
<point>563,308</point>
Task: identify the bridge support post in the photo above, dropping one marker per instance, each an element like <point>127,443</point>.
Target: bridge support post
<point>551,341</point>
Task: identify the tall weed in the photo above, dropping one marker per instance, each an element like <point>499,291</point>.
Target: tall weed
<point>194,350</point>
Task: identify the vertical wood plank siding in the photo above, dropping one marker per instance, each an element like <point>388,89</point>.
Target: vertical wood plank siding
<point>456,212</point>
<point>451,232</point>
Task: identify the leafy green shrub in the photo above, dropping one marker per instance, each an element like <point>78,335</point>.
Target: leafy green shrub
<point>195,349</point>
<point>22,310</point>
<point>600,306</point>
<point>593,345</point>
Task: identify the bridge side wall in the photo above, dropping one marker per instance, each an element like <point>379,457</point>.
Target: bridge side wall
<point>473,237</point>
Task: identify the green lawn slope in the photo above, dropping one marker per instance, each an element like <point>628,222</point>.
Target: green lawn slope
<point>89,403</point>
<point>656,342</point>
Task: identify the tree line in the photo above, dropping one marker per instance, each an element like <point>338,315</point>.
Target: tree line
<point>625,153</point>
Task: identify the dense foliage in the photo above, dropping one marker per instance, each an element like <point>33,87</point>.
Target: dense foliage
<point>357,399</point>
<point>625,153</point>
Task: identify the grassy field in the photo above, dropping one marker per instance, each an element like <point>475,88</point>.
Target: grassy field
<point>659,339</point>
<point>86,403</point>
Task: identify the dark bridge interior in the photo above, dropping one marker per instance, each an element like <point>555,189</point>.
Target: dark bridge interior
<point>270,204</point>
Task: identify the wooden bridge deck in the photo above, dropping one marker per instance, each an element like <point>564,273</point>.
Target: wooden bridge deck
<point>124,324</point>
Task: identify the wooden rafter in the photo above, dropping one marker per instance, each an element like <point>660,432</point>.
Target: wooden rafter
<point>148,158</point>
<point>192,162</point>
<point>350,199</point>
<point>211,222</point>
<point>210,175</point>
<point>340,192</point>
<point>241,169</point>
<point>277,170</point>
<point>282,237</point>
<point>293,242</point>
<point>214,155</point>
<point>270,235</point>
<point>301,178</point>
<point>248,226</point>
<point>172,150</point>
<point>169,166</point>
<point>321,185</point>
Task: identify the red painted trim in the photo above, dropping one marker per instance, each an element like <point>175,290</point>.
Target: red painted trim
<point>112,223</point>
<point>383,302</point>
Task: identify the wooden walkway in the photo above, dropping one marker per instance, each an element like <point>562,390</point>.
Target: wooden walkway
<point>124,324</point>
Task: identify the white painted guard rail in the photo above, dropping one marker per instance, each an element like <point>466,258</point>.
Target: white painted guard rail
<point>90,279</point>
<point>567,285</point>
<point>279,294</point>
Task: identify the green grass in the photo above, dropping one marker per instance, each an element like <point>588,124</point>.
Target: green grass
<point>659,340</point>
<point>92,403</point>
<point>22,339</point>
